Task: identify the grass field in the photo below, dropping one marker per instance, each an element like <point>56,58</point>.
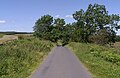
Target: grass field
<point>1,35</point>
<point>19,58</point>
<point>24,36</point>
<point>6,38</point>
<point>102,62</point>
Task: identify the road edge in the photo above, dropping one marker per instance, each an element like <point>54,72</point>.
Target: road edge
<point>80,62</point>
<point>39,65</point>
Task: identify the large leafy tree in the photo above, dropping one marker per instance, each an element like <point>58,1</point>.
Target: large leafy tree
<point>92,25</point>
<point>58,26</point>
<point>48,28</point>
<point>80,25</point>
<point>112,27</point>
<point>95,19</point>
<point>67,34</point>
<point>43,27</point>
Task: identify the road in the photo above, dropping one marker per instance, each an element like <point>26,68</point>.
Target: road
<point>61,63</point>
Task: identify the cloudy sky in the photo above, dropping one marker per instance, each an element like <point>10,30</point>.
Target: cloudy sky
<point>20,15</point>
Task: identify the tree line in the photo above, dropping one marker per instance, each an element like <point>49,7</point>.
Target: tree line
<point>94,25</point>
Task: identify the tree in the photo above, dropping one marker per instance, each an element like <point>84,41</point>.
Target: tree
<point>67,34</point>
<point>112,27</point>
<point>92,25</point>
<point>59,26</point>
<point>92,20</point>
<point>43,27</point>
<point>49,29</point>
<point>80,29</point>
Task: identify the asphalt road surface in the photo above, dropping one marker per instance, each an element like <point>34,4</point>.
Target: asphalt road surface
<point>61,63</point>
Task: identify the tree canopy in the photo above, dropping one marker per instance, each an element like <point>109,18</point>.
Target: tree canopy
<point>92,25</point>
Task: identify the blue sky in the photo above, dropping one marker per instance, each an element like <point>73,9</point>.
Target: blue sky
<point>20,15</point>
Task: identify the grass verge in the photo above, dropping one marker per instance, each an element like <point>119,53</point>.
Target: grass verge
<point>20,57</point>
<point>102,62</point>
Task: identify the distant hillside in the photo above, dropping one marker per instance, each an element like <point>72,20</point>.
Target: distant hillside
<point>13,32</point>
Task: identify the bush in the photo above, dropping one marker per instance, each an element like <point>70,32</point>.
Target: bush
<point>102,37</point>
<point>107,54</point>
<point>118,38</point>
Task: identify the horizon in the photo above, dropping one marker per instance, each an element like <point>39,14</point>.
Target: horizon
<point>20,16</point>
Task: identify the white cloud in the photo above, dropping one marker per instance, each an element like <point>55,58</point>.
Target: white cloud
<point>2,21</point>
<point>57,16</point>
<point>68,16</point>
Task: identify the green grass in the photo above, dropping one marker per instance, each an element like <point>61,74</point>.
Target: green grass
<point>102,62</point>
<point>19,58</point>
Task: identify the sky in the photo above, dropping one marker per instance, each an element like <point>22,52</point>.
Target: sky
<point>21,15</point>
